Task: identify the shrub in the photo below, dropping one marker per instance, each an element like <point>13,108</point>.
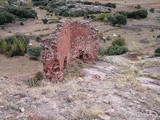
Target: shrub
<point>102,51</point>
<point>21,23</point>
<point>14,45</point>
<point>39,76</point>
<point>44,21</point>
<point>111,5</point>
<point>9,17</point>
<point>101,17</point>
<point>34,81</point>
<point>157,52</point>
<point>138,6</point>
<point>152,10</point>
<point>38,2</point>
<point>97,3</point>
<point>21,37</point>
<point>22,12</point>
<point>34,52</point>
<point>15,49</point>
<point>2,19</point>
<point>116,50</point>
<point>158,36</point>
<point>118,20</point>
<point>2,27</point>
<point>78,13</point>
<point>3,46</point>
<point>37,38</point>
<point>139,14</point>
<point>119,42</point>
<point>71,6</point>
<point>63,12</point>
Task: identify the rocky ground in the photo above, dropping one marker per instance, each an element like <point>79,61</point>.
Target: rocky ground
<point>106,90</point>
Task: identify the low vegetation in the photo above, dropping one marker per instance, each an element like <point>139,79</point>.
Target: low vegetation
<point>101,17</point>
<point>34,52</point>
<point>139,14</point>
<point>44,21</point>
<point>9,14</point>
<point>14,45</point>
<point>117,20</point>
<point>117,48</point>
<point>152,10</point>
<point>157,52</point>
<point>119,42</point>
<point>60,8</point>
<point>35,81</point>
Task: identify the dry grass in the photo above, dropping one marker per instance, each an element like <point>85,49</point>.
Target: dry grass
<point>147,63</point>
<point>87,114</point>
<point>19,67</point>
<point>72,70</point>
<point>128,79</point>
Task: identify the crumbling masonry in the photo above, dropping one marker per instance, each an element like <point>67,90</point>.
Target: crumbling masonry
<point>71,40</point>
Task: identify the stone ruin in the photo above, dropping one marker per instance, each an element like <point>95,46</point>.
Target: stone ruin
<point>71,40</point>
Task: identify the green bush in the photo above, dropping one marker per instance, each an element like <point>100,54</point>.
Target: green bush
<point>118,19</point>
<point>101,17</point>
<point>102,51</point>
<point>78,13</point>
<point>34,52</point>
<point>116,50</point>
<point>21,37</point>
<point>14,45</point>
<point>119,42</point>
<point>9,17</point>
<point>3,46</point>
<point>2,19</point>
<point>152,10</point>
<point>111,5</point>
<point>39,2</point>
<point>139,14</point>
<point>44,21</point>
<point>15,49</point>
<point>22,12</point>
<point>157,52</point>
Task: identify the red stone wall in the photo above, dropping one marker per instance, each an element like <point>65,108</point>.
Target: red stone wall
<point>69,41</point>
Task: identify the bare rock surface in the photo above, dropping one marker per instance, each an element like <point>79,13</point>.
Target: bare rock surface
<point>152,70</point>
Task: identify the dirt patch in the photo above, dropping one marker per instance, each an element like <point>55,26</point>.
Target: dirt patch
<point>19,68</point>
